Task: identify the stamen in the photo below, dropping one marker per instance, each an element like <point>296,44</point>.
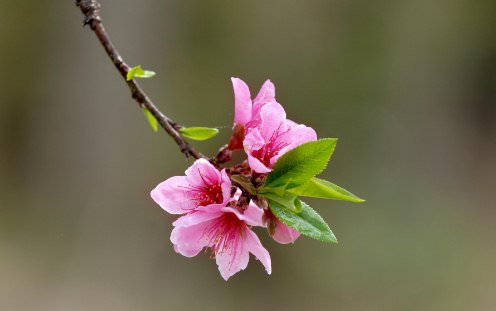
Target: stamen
<point>209,193</point>
<point>224,235</point>
<point>272,146</point>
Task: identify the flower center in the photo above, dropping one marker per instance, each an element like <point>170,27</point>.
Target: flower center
<point>271,147</point>
<point>224,234</point>
<point>208,193</point>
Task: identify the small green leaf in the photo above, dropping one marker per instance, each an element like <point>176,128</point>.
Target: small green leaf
<point>307,222</point>
<point>300,164</point>
<point>288,201</point>
<point>319,188</point>
<point>199,133</point>
<point>279,190</point>
<point>245,182</point>
<point>139,73</point>
<point>151,119</point>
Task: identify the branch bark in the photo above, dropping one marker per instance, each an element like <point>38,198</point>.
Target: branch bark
<point>91,12</point>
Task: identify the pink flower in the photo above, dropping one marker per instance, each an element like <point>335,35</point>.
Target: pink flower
<point>224,230</point>
<point>203,185</point>
<point>267,136</point>
<point>273,136</point>
<point>246,111</point>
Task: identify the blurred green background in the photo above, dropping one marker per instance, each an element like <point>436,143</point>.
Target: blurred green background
<point>409,87</point>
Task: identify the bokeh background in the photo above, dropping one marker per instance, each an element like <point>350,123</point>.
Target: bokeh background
<point>409,87</point>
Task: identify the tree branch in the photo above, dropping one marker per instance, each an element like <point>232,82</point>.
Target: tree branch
<point>91,12</point>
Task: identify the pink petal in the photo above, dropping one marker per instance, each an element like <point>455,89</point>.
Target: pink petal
<point>236,195</point>
<point>242,101</point>
<point>285,234</point>
<point>232,258</point>
<point>300,134</point>
<point>173,196</point>
<point>254,246</point>
<point>253,215</point>
<point>202,214</point>
<point>295,136</point>
<point>254,141</point>
<point>226,186</point>
<point>189,241</point>
<point>203,173</point>
<point>257,166</point>
<point>272,115</point>
<point>266,95</point>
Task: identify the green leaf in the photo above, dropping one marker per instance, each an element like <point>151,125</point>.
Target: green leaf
<point>300,164</point>
<point>288,201</point>
<point>307,222</point>
<point>139,73</point>
<point>151,119</point>
<point>280,190</point>
<point>199,133</point>
<point>245,182</point>
<point>319,188</point>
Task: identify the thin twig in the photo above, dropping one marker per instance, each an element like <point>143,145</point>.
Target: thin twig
<point>91,12</point>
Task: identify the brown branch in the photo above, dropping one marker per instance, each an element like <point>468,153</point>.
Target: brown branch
<point>91,12</point>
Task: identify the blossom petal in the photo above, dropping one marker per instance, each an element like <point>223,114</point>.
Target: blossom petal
<point>202,214</point>
<point>189,241</point>
<point>254,141</point>
<point>285,234</point>
<point>257,166</point>
<point>233,258</point>
<point>266,95</point>
<point>273,116</point>
<point>203,173</point>
<point>252,242</point>
<point>226,186</point>
<point>296,135</point>
<point>252,215</point>
<point>242,101</point>
<point>173,196</point>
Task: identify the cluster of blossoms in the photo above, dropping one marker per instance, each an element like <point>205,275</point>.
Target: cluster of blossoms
<point>218,213</point>
<point>220,206</point>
